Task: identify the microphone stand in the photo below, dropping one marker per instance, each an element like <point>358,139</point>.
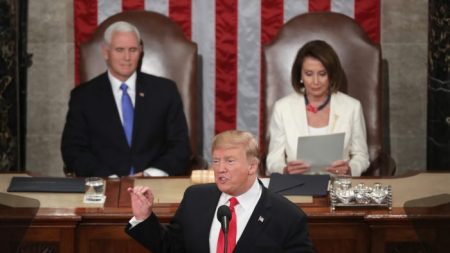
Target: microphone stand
<point>224,217</point>
<point>225,246</point>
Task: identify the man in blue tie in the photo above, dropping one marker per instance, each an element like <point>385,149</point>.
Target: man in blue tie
<point>124,122</point>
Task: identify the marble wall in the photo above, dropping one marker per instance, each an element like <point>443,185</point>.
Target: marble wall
<point>50,79</point>
<point>50,34</point>
<point>404,33</point>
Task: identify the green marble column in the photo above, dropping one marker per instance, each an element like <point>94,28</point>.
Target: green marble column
<point>438,123</point>
<point>10,97</point>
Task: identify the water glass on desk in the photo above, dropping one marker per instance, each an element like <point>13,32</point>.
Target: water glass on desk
<point>342,182</point>
<point>343,187</point>
<point>95,190</point>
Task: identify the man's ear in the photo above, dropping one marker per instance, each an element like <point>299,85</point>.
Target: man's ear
<point>104,49</point>
<point>254,165</point>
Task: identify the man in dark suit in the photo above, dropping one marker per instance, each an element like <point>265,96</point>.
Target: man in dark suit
<point>124,122</point>
<point>263,221</point>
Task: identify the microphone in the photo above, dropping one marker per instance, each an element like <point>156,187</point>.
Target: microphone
<point>224,217</point>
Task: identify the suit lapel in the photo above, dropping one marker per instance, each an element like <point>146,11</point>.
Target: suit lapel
<point>206,220</point>
<point>335,111</point>
<point>299,116</point>
<point>109,109</point>
<point>256,224</point>
<point>139,107</point>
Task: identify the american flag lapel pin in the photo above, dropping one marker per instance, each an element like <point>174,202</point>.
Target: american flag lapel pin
<point>261,219</point>
<point>141,94</point>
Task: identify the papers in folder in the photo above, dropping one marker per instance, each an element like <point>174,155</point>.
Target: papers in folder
<point>320,150</point>
<point>46,184</point>
<point>291,184</point>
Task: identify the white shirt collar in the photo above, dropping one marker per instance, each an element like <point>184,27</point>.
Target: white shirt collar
<point>131,82</point>
<point>247,199</point>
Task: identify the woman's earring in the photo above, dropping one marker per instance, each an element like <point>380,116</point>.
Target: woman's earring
<point>301,81</point>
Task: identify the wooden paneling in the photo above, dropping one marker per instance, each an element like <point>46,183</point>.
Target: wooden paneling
<point>111,238</point>
<point>41,236</point>
<point>406,236</point>
<point>101,229</point>
<point>339,237</point>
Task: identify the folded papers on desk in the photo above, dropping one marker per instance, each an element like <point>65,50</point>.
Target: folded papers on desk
<point>311,185</point>
<point>46,184</point>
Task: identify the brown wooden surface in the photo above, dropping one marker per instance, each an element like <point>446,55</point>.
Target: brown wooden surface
<point>101,229</point>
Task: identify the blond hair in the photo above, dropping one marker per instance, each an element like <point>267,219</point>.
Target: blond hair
<point>233,138</point>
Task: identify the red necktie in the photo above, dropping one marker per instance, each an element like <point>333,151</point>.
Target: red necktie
<point>231,230</point>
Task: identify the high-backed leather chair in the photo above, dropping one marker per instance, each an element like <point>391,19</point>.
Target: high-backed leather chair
<point>360,59</point>
<point>166,53</point>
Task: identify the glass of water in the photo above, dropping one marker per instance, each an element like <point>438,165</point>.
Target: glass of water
<point>343,188</point>
<point>95,189</point>
<point>342,182</point>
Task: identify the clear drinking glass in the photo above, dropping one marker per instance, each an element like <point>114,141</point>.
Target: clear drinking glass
<point>344,182</point>
<point>95,189</point>
<point>343,187</point>
<point>379,193</point>
<point>362,194</point>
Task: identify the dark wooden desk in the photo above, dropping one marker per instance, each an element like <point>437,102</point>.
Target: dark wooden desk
<point>101,229</point>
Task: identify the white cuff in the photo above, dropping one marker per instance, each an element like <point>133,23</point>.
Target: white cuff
<point>154,172</point>
<point>133,222</point>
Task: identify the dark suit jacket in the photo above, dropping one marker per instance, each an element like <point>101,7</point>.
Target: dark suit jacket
<point>284,228</point>
<point>94,142</point>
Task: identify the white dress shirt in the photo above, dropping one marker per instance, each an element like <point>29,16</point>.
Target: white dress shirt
<point>117,92</point>
<point>247,203</point>
<point>317,130</point>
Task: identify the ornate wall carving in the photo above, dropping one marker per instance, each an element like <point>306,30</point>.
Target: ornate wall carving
<point>12,84</point>
<point>438,123</point>
<point>8,91</point>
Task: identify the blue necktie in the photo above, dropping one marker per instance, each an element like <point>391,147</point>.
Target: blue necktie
<point>128,116</point>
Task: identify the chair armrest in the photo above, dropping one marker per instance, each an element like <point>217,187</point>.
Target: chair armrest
<point>383,165</point>
<point>68,172</point>
<point>197,162</point>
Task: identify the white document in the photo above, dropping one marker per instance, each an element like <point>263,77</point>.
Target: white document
<point>321,150</point>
